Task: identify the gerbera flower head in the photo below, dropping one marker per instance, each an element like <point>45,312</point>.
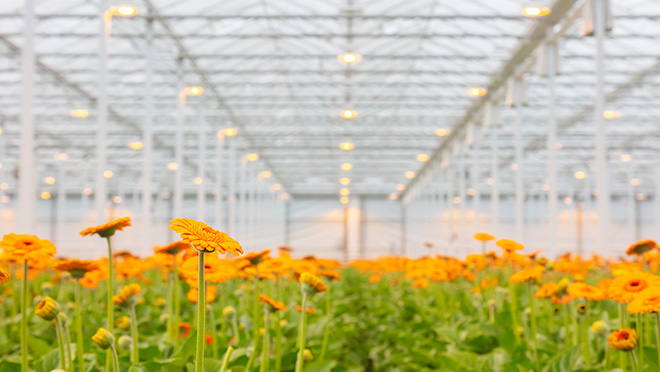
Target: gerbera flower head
<point>127,295</point>
<point>547,290</point>
<point>20,247</point>
<point>309,310</point>
<point>647,301</point>
<point>623,339</point>
<point>184,329</point>
<point>483,237</point>
<point>527,274</point>
<point>4,276</point>
<point>77,268</point>
<point>204,238</point>
<point>256,257</point>
<point>641,247</point>
<point>271,304</point>
<point>420,283</point>
<point>509,245</point>
<point>123,322</point>
<point>172,248</point>
<point>625,287</point>
<point>330,274</point>
<point>108,229</point>
<point>311,284</point>
<point>583,290</point>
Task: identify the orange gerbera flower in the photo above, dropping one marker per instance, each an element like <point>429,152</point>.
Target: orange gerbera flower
<point>547,290</point>
<point>256,257</point>
<point>4,276</point>
<point>108,229</point>
<point>272,305</point>
<point>374,279</point>
<point>624,288</point>
<point>91,279</point>
<point>583,290</point>
<point>527,274</point>
<point>330,274</point>
<point>647,301</point>
<point>309,309</point>
<point>172,248</point>
<point>20,247</point>
<point>641,247</point>
<point>509,245</point>
<point>204,238</point>
<point>420,283</point>
<point>604,285</point>
<point>483,237</point>
<point>623,339</point>
<point>77,268</point>
<point>184,329</point>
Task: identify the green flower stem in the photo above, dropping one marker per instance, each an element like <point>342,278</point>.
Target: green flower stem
<point>326,327</point>
<point>177,303</point>
<point>234,325</point>
<point>584,331</point>
<point>574,321</point>
<point>135,355</point>
<point>640,342</point>
<point>265,360</point>
<point>171,331</point>
<point>278,344</point>
<point>225,360</point>
<point>657,335</point>
<point>214,327</point>
<point>567,327</point>
<point>633,359</point>
<point>115,358</point>
<point>255,323</point>
<point>530,298</point>
<point>111,307</point>
<point>79,331</point>
<point>302,334</point>
<point>66,335</point>
<point>514,310</point>
<point>60,341</point>
<point>24,322</point>
<point>201,314</point>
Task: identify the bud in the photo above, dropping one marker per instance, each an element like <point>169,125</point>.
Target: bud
<point>71,305</point>
<point>283,322</point>
<point>542,261</point>
<point>125,342</point>
<point>159,302</point>
<point>228,311</point>
<point>47,309</point>
<point>308,355</point>
<point>63,318</point>
<point>103,339</point>
<point>600,329</point>
<point>123,323</point>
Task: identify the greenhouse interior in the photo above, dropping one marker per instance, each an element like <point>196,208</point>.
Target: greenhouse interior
<point>348,185</point>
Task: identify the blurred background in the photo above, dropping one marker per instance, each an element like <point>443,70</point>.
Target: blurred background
<point>345,129</point>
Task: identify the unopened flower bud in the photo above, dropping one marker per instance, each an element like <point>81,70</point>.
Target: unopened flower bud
<point>123,323</point>
<point>125,342</point>
<point>47,309</point>
<point>229,311</point>
<point>103,339</point>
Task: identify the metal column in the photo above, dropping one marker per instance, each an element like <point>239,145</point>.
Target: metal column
<point>147,133</point>
<point>27,189</point>
<point>602,187</point>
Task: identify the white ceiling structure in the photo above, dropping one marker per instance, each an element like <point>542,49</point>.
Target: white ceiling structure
<point>270,69</point>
